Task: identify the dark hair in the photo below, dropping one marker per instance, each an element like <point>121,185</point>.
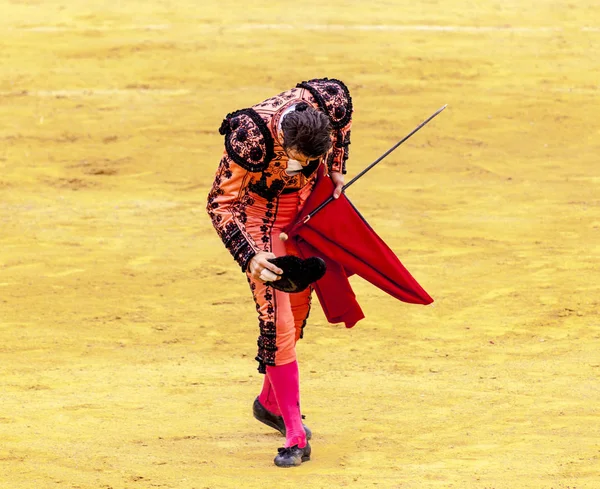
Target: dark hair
<point>308,131</point>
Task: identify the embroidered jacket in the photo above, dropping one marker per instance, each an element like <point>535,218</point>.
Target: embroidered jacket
<point>254,162</point>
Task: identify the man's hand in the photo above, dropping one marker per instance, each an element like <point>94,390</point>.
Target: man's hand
<point>262,269</point>
<point>338,181</point>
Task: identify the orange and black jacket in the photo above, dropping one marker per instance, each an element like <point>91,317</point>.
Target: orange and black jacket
<point>254,162</point>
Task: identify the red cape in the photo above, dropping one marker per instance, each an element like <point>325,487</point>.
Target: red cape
<point>344,239</point>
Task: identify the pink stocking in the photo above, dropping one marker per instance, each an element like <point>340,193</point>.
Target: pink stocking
<point>285,381</point>
<point>267,397</point>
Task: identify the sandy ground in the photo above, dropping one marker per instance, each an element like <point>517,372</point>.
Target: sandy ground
<point>128,333</point>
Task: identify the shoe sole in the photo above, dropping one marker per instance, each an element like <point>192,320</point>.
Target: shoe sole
<point>275,426</point>
<point>271,425</point>
<point>306,458</point>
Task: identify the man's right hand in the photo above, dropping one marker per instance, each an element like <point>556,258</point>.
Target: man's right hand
<point>261,268</point>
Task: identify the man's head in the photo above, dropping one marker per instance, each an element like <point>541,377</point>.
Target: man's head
<point>306,133</point>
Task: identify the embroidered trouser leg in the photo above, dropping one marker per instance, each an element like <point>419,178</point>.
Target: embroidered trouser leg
<point>281,315</point>
<point>300,303</point>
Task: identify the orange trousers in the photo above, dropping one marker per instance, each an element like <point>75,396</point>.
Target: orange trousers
<point>281,316</point>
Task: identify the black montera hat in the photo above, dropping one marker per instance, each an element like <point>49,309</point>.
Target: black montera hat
<point>298,273</point>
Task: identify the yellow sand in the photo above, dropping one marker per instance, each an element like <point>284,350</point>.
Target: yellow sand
<point>128,332</point>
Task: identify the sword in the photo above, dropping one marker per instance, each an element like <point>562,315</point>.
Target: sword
<point>284,236</point>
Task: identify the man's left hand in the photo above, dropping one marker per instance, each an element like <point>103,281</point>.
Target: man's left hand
<point>338,180</point>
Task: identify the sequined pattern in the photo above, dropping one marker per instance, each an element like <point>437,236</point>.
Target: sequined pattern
<point>333,98</point>
<point>248,140</point>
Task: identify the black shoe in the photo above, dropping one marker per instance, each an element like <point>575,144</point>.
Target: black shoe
<point>292,456</point>
<point>264,416</point>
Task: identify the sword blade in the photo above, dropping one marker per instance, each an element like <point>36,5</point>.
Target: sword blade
<point>393,148</point>
<point>317,209</point>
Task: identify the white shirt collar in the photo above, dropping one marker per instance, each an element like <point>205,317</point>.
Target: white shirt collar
<point>291,108</point>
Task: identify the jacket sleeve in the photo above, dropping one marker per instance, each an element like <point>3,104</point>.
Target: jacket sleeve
<point>338,155</point>
<point>248,151</point>
<point>225,206</point>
